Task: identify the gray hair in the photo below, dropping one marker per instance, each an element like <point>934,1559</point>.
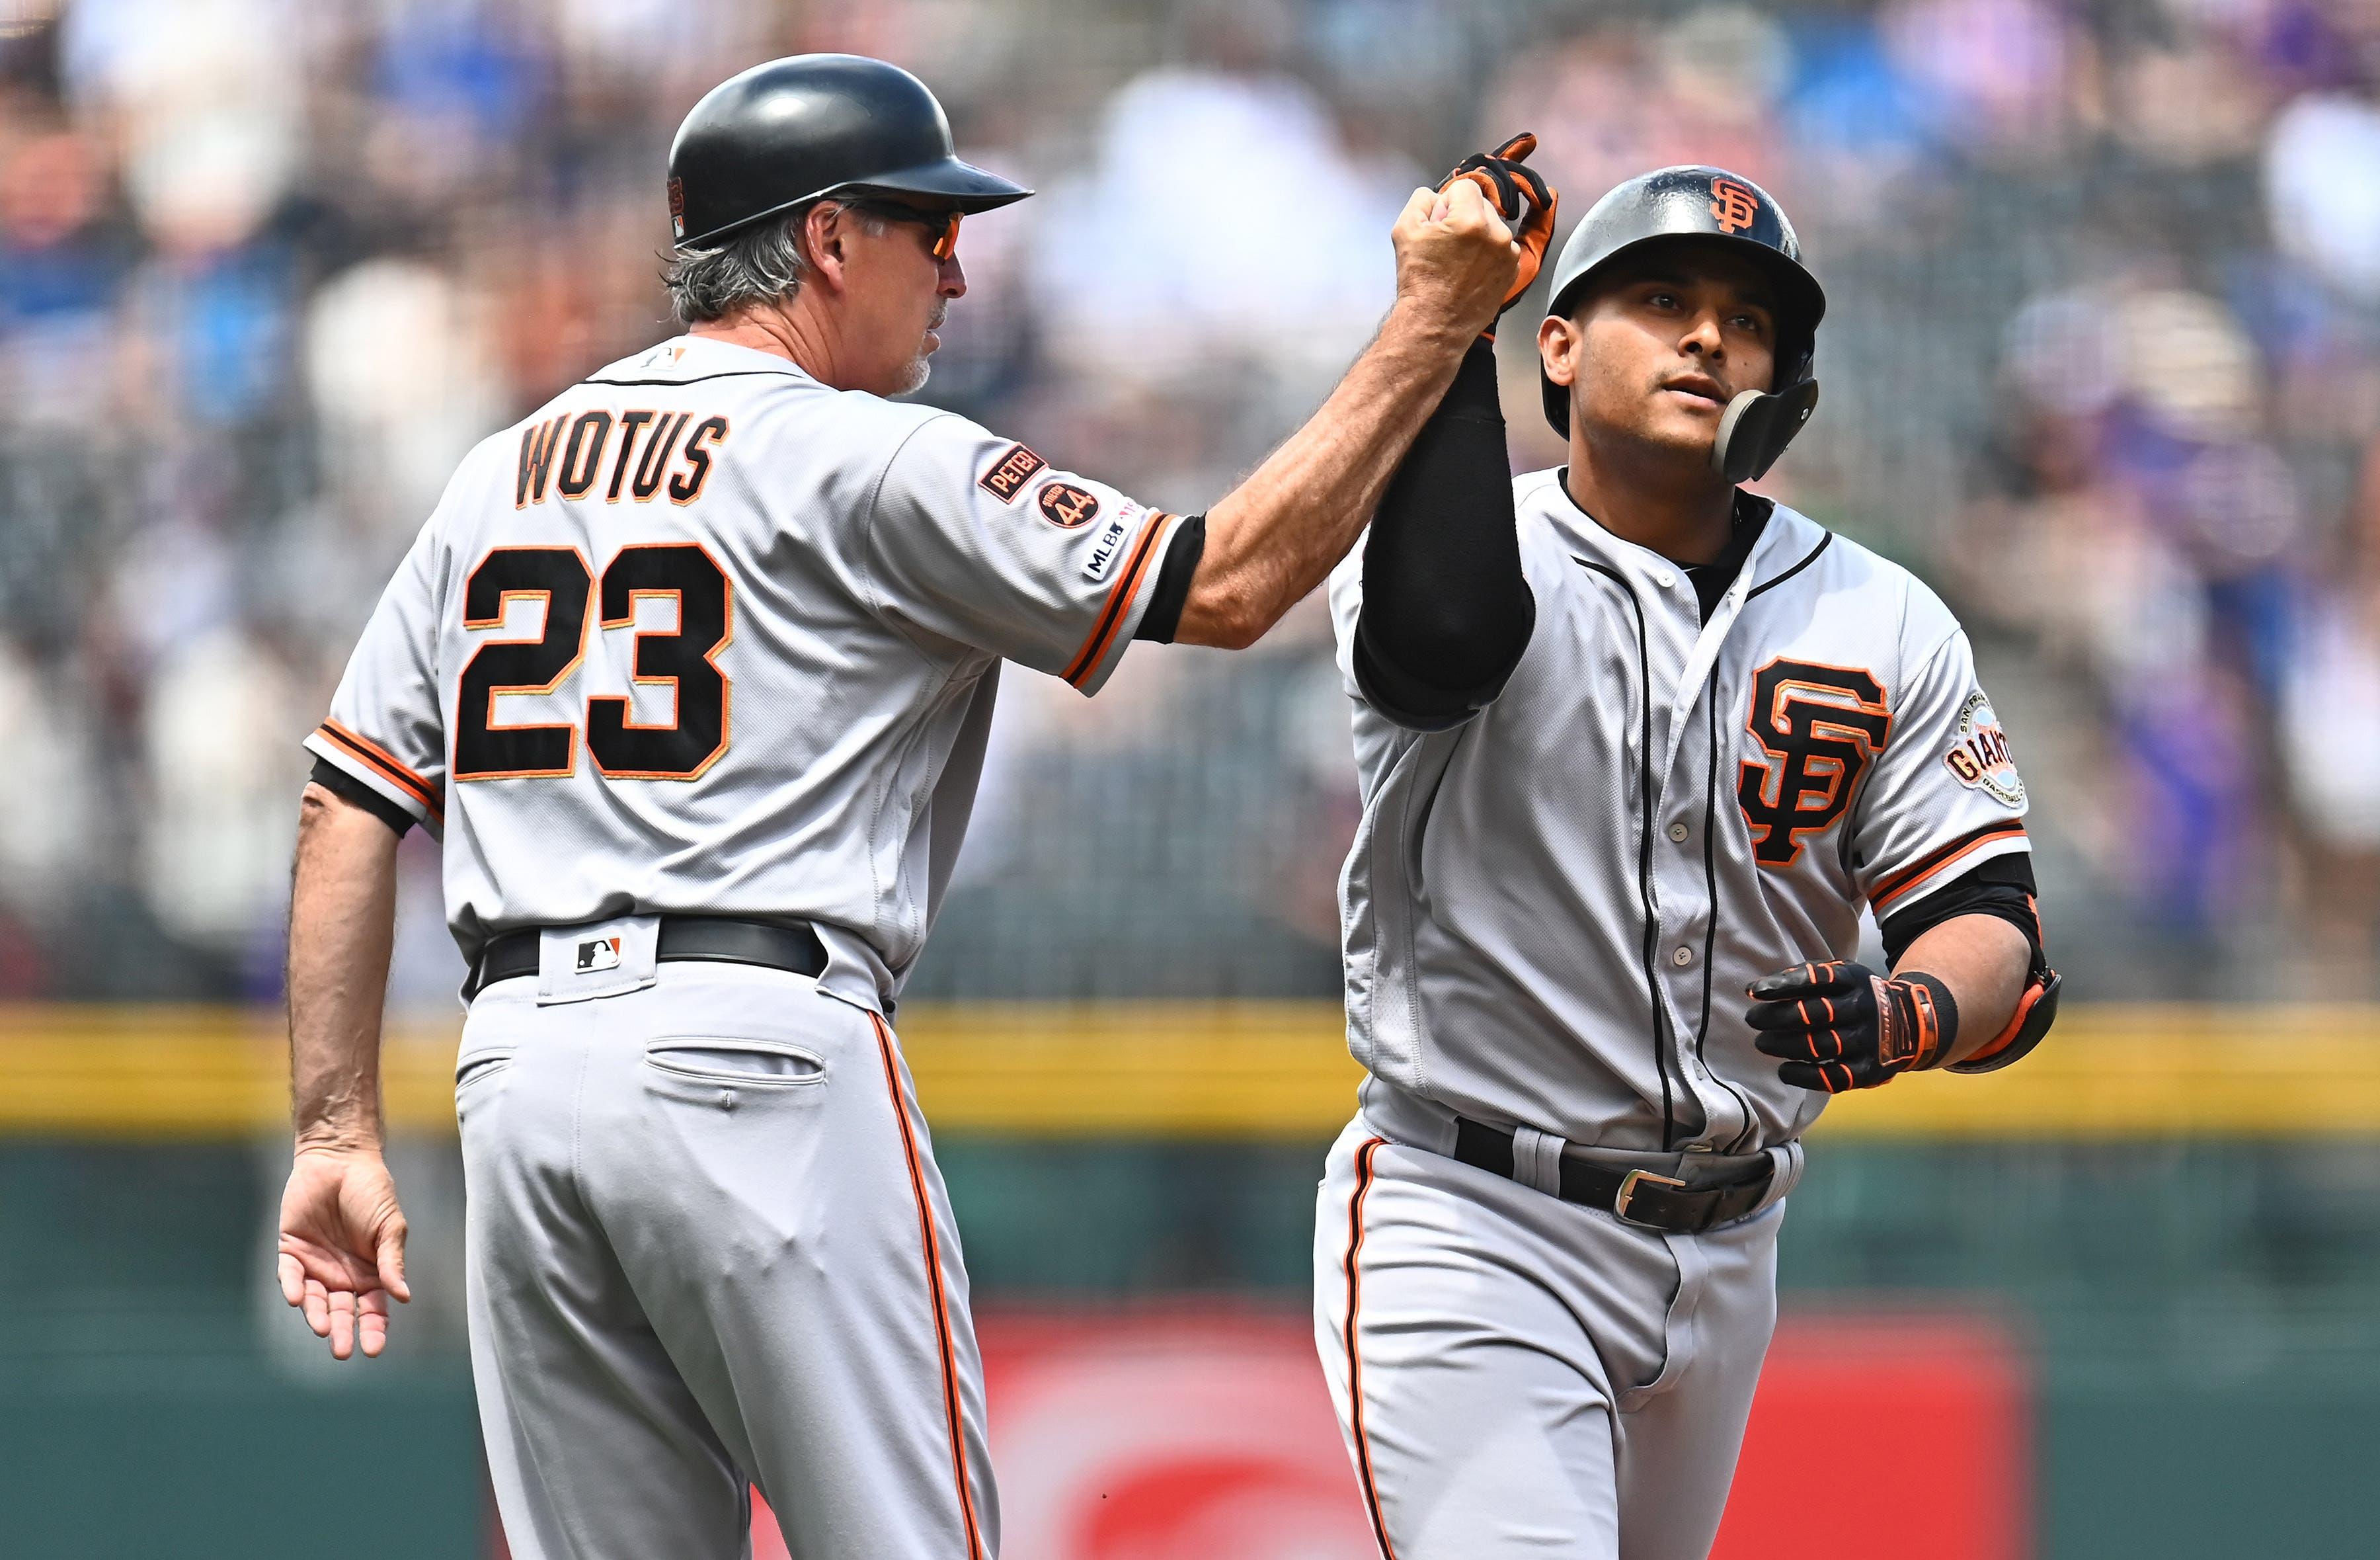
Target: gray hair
<point>760,264</point>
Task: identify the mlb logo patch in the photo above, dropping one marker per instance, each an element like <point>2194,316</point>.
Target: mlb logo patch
<point>598,953</point>
<point>1104,554</point>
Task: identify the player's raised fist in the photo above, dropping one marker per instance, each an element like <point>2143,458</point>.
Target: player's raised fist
<point>1455,257</point>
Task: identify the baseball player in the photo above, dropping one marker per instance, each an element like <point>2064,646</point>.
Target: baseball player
<point>692,672</point>
<point>1634,745</point>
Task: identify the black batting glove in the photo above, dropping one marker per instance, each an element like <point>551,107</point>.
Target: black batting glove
<point>1840,1025</point>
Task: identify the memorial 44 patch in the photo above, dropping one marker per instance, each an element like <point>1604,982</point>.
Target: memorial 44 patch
<point>1979,755</point>
<point>1067,506</point>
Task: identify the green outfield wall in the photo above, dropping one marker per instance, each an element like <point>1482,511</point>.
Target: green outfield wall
<point>2199,1312</point>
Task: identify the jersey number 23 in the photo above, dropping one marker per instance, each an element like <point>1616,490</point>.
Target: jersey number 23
<point>622,748</point>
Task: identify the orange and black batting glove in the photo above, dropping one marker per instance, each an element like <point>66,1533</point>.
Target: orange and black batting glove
<point>1840,1025</point>
<point>1521,196</point>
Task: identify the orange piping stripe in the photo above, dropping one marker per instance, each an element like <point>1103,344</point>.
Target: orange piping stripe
<point>373,749</point>
<point>378,758</point>
<point>1118,600</point>
<point>1957,851</point>
<point>1112,616</point>
<point>934,1284</point>
<point>1354,1361</point>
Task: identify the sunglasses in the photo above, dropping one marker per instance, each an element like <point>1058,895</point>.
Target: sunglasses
<point>944,225</point>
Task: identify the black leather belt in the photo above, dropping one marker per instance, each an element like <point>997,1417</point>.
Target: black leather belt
<point>724,939</point>
<point>1638,1197</point>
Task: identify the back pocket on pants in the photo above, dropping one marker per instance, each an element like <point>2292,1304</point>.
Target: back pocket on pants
<point>766,1064</point>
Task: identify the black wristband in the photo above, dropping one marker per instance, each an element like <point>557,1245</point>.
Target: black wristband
<point>1946,1013</point>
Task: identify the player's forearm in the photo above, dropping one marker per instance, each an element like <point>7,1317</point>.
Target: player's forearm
<point>1447,608</point>
<point>1277,535</point>
<point>342,917</point>
<point>1983,961</point>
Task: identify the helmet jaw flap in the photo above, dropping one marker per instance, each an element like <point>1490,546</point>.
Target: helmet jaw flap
<point>1756,427</point>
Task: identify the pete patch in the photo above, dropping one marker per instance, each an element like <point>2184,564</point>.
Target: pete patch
<point>1979,757</point>
<point>600,958</point>
<point>1008,474</point>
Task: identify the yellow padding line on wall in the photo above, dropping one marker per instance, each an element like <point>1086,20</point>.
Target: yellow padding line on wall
<point>1246,1070</point>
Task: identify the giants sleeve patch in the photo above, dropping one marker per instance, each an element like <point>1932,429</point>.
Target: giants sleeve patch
<point>1979,757</point>
<point>1010,472</point>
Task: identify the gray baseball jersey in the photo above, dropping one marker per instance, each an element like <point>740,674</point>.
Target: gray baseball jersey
<point>1552,909</point>
<point>706,635</point>
<point>1551,913</point>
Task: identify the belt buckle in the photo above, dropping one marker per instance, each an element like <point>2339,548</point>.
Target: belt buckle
<point>1628,1184</point>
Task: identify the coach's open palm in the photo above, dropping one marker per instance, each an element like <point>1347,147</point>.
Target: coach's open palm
<point>342,1246</point>
<point>1455,256</point>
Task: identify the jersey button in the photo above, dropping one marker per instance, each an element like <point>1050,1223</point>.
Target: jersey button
<point>1682,956</point>
<point>1678,834</point>
<point>1665,579</point>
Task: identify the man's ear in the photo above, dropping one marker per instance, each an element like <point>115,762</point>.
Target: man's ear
<point>1559,342</point>
<point>826,232</point>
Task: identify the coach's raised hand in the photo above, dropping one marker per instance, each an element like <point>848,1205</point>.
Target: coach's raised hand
<point>1274,538</point>
<point>1521,196</point>
<point>1457,262</point>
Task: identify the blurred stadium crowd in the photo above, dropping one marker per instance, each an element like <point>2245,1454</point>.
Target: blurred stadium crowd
<point>2103,363</point>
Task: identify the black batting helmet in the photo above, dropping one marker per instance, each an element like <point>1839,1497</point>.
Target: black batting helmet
<point>1703,203</point>
<point>795,131</point>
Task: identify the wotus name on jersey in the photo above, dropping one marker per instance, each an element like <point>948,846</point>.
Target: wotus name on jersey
<point>658,450</point>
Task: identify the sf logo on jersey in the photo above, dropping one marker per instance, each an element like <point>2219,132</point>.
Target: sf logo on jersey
<point>1821,726</point>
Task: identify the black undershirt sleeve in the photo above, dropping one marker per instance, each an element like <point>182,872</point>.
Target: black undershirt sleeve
<point>2002,887</point>
<point>1447,610</point>
<point>348,788</point>
<point>1172,591</point>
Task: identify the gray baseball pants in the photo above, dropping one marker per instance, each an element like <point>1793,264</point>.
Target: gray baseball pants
<point>708,1248</point>
<point>1516,1375</point>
